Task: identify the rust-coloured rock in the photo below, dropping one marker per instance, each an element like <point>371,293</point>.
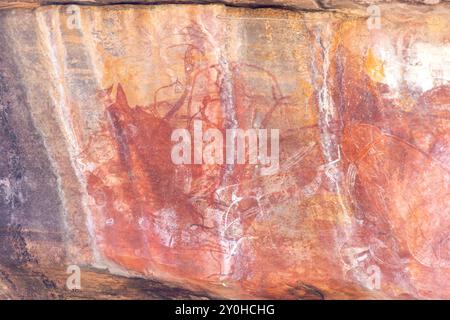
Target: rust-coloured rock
<point>357,207</point>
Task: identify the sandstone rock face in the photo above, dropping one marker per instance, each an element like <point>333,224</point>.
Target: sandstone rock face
<point>358,206</point>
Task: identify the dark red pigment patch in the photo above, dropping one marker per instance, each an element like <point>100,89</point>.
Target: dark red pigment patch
<point>160,217</point>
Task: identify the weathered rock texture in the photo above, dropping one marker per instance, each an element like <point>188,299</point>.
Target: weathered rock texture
<point>89,97</point>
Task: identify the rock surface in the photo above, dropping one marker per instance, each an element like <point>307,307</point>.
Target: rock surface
<point>89,98</point>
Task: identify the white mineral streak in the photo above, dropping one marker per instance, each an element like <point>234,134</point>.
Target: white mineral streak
<point>53,41</point>
<point>229,110</point>
<point>326,105</point>
<point>227,102</point>
<point>329,118</point>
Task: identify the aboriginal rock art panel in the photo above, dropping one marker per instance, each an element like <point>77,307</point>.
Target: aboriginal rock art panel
<point>196,221</point>
<point>358,205</point>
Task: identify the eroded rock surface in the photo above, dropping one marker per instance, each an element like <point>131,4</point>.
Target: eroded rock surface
<point>90,96</point>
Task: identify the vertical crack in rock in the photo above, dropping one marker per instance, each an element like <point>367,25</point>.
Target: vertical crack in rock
<point>330,119</point>
<point>227,100</point>
<point>330,124</point>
